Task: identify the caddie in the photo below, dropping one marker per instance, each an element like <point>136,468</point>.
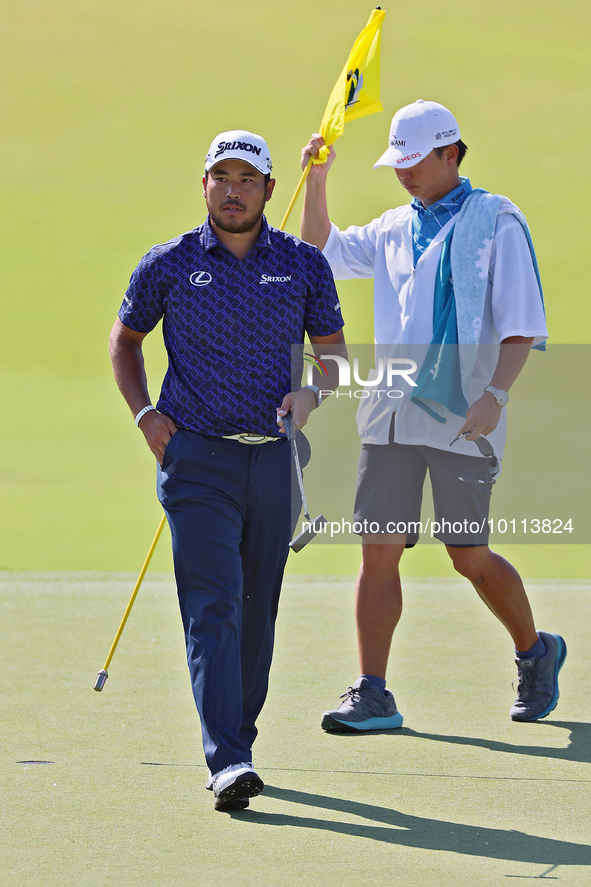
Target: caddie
<point>234,295</point>
<point>456,281</point>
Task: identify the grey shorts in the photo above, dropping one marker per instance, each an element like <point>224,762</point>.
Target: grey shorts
<point>390,484</point>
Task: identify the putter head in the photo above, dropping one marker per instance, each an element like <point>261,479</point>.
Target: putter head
<point>100,680</point>
<point>306,536</point>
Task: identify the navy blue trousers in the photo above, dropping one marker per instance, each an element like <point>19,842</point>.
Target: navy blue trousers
<point>228,508</point>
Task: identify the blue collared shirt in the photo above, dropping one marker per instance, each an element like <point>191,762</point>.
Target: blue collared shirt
<point>428,221</point>
<point>229,324</point>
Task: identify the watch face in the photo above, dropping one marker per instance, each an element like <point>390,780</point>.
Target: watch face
<point>499,395</point>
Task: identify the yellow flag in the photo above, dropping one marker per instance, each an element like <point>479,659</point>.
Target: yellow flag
<point>357,91</point>
<point>355,94</point>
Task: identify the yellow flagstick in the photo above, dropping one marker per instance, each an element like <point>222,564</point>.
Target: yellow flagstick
<point>103,674</point>
<point>292,202</point>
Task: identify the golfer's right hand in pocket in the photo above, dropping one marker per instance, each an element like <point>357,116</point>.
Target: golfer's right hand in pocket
<point>158,429</point>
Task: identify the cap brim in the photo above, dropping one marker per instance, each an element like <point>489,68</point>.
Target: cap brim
<point>229,156</point>
<point>398,160</point>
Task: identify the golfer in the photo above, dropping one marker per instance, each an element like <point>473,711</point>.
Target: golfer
<point>234,294</point>
<point>455,266</point>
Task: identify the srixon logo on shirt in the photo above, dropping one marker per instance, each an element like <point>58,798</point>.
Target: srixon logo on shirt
<point>269,278</point>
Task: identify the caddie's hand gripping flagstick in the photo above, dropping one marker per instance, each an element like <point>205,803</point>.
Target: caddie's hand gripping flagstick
<point>103,674</point>
<point>314,526</point>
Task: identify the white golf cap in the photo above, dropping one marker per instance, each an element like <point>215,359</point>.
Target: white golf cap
<point>415,130</point>
<point>238,144</point>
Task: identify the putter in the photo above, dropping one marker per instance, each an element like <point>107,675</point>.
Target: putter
<point>302,539</point>
<point>103,673</point>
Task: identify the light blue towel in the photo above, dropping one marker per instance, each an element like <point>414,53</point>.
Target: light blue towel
<point>470,251</point>
<point>439,381</point>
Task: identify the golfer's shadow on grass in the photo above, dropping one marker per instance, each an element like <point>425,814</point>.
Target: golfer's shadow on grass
<point>578,749</point>
<point>402,829</point>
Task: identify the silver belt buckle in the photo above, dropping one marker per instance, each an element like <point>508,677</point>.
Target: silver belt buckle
<point>251,439</point>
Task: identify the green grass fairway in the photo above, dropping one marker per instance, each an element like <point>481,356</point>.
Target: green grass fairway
<point>108,110</point>
<point>459,795</point>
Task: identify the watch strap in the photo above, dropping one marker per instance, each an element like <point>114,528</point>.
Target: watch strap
<point>500,395</point>
<point>316,392</point>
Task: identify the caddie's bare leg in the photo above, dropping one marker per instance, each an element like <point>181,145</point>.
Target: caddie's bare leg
<point>499,585</point>
<point>378,601</point>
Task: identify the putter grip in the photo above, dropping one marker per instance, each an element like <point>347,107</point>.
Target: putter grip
<point>288,425</point>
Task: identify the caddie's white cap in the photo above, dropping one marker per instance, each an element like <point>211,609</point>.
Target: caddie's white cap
<point>415,130</point>
<point>238,144</point>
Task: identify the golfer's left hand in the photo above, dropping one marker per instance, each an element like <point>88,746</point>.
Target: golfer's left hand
<point>482,417</point>
<point>300,404</point>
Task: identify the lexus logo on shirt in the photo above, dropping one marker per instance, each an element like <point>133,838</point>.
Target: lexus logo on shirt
<point>200,278</point>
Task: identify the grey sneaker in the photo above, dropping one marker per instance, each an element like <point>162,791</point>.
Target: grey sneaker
<point>234,785</point>
<point>362,708</point>
<point>537,681</point>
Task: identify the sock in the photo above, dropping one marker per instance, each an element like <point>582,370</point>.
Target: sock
<point>536,652</point>
<point>377,683</point>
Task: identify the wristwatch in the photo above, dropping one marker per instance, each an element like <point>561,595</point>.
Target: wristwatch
<point>501,397</point>
<point>316,392</point>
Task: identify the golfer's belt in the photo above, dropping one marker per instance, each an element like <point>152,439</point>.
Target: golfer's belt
<point>249,438</point>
